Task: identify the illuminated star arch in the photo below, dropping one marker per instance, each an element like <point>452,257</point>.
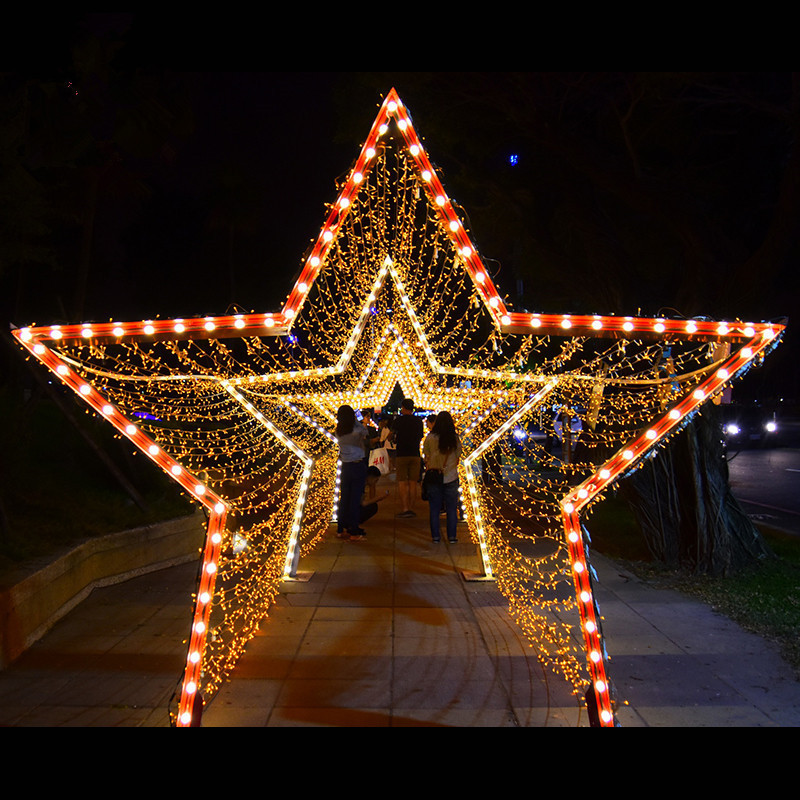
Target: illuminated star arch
<point>239,410</point>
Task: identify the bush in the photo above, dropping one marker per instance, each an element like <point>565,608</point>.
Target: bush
<point>55,490</point>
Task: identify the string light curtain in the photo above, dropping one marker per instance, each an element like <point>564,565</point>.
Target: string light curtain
<point>240,410</point>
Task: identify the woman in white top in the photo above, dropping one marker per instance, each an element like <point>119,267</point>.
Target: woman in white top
<point>442,450</point>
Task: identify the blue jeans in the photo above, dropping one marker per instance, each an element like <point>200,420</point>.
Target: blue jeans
<point>444,496</point>
<point>353,480</point>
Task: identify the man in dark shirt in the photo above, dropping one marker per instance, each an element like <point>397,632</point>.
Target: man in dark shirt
<point>407,430</point>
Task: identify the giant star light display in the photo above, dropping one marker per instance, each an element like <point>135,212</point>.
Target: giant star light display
<point>239,410</point>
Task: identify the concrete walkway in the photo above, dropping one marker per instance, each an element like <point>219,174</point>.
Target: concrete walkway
<point>387,633</point>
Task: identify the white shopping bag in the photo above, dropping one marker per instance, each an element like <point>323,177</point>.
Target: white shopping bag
<point>379,457</point>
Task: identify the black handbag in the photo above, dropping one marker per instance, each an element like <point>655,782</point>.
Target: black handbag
<point>432,477</point>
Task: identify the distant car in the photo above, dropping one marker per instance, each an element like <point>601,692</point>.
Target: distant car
<point>749,426</point>
<point>524,438</point>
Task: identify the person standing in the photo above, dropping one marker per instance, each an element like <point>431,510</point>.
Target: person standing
<point>429,420</point>
<point>387,441</point>
<point>442,450</point>
<point>408,433</point>
<point>352,437</point>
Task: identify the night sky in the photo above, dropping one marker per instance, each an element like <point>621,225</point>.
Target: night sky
<point>633,192</point>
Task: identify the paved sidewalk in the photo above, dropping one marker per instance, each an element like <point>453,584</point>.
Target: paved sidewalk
<point>387,633</point>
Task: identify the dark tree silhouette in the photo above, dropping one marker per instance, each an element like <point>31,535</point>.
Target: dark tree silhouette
<point>78,141</point>
<point>632,192</point>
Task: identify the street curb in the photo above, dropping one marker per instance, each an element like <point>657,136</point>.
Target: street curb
<point>30,606</point>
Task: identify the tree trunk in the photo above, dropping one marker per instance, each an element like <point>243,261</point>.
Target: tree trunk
<point>685,508</point>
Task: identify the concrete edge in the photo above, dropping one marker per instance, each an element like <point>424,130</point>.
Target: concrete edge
<point>31,606</point>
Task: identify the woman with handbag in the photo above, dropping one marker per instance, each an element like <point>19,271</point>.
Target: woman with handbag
<point>352,437</point>
<point>442,450</point>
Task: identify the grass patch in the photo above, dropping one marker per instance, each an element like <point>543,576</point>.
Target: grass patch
<point>764,599</point>
<point>615,533</point>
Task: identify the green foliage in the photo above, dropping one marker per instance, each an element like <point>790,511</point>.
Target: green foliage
<point>55,490</point>
<point>615,533</point>
<point>764,599</point>
<point>633,190</point>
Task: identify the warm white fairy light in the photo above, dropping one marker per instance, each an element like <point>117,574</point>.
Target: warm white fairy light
<point>284,403</point>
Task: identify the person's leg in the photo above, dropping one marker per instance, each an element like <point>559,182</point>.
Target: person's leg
<point>367,512</point>
<point>434,507</point>
<point>359,480</point>
<point>414,482</point>
<point>403,489</point>
<point>345,503</point>
<point>451,506</point>
<point>405,482</point>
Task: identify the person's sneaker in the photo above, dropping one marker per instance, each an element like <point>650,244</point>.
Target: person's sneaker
<point>452,541</point>
<point>406,514</point>
<point>436,541</point>
<point>360,537</point>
